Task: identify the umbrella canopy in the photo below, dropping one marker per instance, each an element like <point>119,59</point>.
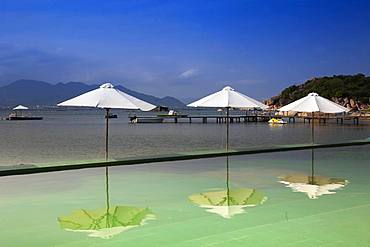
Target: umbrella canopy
<point>228,203</point>
<point>313,186</point>
<point>106,96</point>
<point>228,97</point>
<point>20,107</point>
<point>314,103</point>
<point>105,223</point>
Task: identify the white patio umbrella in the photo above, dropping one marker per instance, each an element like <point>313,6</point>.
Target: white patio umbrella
<point>228,98</point>
<point>313,103</point>
<point>108,97</point>
<point>20,107</point>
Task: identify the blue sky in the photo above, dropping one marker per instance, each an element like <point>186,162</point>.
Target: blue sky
<point>184,48</point>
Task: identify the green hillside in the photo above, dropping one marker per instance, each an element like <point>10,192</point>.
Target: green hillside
<point>347,90</point>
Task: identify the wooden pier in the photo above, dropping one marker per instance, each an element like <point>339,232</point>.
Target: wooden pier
<point>218,118</point>
<point>339,120</point>
<point>262,118</point>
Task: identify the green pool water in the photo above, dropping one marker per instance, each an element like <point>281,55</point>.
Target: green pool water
<point>158,206</point>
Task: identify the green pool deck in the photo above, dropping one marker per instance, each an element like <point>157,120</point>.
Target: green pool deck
<point>204,154</point>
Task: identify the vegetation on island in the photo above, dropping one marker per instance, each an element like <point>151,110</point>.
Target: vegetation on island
<point>351,91</point>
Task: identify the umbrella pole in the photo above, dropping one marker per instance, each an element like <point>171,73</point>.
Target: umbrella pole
<point>227,181</point>
<point>227,128</point>
<point>106,133</point>
<point>312,151</point>
<point>313,129</point>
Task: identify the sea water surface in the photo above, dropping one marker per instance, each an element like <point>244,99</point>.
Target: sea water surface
<point>77,135</point>
<point>184,203</point>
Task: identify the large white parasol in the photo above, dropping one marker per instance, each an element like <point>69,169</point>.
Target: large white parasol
<point>108,97</point>
<point>228,98</point>
<point>313,103</point>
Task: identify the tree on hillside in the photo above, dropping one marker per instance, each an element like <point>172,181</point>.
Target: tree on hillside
<point>337,87</point>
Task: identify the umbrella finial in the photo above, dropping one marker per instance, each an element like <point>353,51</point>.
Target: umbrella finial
<point>107,85</point>
<point>228,88</point>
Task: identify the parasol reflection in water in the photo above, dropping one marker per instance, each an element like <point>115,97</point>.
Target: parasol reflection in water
<point>314,186</point>
<point>105,222</point>
<point>229,202</point>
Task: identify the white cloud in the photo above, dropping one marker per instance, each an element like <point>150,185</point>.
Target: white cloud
<point>188,74</point>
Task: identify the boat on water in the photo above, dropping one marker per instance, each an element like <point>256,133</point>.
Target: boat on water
<point>277,121</point>
<point>18,114</point>
<point>172,113</point>
<point>14,117</point>
<point>136,119</point>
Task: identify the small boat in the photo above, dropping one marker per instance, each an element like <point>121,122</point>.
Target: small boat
<point>23,118</point>
<point>20,109</point>
<point>14,117</point>
<point>146,119</point>
<point>172,114</point>
<point>277,121</point>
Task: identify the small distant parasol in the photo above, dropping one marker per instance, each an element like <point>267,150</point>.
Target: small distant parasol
<point>20,107</point>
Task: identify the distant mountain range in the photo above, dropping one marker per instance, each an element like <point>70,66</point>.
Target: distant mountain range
<point>40,93</point>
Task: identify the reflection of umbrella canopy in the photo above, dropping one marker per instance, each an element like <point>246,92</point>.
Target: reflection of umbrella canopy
<point>228,203</point>
<point>20,107</point>
<point>228,98</point>
<point>313,186</point>
<point>313,103</point>
<point>108,97</point>
<point>105,223</point>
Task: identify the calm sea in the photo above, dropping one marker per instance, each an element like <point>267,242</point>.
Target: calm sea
<point>78,135</point>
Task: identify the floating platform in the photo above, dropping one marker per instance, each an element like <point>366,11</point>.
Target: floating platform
<point>18,118</point>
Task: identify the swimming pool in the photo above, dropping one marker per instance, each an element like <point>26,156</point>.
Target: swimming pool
<point>251,200</point>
